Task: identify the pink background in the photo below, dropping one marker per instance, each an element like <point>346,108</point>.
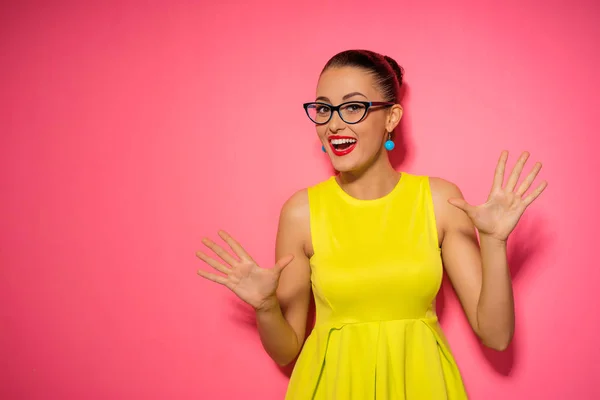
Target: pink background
<point>129,130</point>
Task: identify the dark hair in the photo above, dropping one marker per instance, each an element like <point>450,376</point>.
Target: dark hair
<point>388,74</point>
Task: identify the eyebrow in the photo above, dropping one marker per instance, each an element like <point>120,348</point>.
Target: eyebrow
<point>346,97</point>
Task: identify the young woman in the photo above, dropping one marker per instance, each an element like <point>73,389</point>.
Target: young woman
<point>371,243</point>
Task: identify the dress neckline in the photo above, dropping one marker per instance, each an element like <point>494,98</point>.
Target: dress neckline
<point>354,200</point>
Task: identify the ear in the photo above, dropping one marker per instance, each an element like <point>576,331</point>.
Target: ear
<point>394,117</point>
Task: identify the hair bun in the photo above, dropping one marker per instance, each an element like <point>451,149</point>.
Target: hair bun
<point>387,73</point>
<point>397,69</point>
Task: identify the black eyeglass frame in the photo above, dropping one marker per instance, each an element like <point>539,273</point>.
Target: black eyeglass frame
<point>367,104</point>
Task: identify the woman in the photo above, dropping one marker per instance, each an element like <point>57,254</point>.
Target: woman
<point>371,243</point>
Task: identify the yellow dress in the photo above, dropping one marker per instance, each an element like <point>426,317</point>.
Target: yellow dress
<point>376,271</point>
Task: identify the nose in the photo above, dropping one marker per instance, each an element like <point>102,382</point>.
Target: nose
<point>336,123</point>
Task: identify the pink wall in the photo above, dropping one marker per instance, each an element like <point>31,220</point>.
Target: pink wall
<point>130,130</point>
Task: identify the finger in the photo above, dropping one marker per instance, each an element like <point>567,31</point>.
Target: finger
<point>212,277</point>
<point>283,262</point>
<point>461,204</point>
<point>499,173</point>
<point>529,180</point>
<point>213,263</point>
<point>235,246</point>
<point>535,194</point>
<point>225,256</point>
<point>516,172</point>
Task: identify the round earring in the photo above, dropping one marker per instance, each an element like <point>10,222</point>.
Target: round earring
<point>323,148</point>
<point>389,144</point>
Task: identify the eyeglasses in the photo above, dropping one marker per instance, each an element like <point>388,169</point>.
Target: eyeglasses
<point>351,112</point>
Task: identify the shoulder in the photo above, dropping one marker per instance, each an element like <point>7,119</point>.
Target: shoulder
<point>294,222</point>
<point>442,188</point>
<point>296,206</point>
<point>449,217</point>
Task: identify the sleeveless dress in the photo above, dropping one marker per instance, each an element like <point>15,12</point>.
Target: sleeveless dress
<point>375,272</point>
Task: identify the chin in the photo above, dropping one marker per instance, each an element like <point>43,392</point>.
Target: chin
<point>345,164</point>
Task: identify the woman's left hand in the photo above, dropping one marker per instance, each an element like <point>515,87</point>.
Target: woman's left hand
<point>499,215</point>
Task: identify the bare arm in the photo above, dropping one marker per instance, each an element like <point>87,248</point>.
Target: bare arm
<point>282,321</point>
<point>496,308</point>
<point>479,272</point>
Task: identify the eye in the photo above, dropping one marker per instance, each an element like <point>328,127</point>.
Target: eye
<point>354,108</point>
<point>321,109</point>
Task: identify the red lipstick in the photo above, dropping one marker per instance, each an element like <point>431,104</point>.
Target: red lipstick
<point>342,145</point>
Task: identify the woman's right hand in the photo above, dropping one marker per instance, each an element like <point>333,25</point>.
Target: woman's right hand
<point>254,285</point>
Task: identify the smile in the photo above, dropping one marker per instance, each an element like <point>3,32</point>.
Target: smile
<point>342,145</point>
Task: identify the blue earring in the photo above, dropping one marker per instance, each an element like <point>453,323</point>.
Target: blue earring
<point>323,148</point>
<point>389,144</point>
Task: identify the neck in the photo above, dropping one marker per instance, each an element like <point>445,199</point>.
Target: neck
<point>375,181</point>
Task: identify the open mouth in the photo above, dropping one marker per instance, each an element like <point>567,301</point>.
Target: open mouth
<point>342,145</point>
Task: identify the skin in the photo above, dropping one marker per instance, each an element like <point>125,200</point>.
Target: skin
<point>478,270</point>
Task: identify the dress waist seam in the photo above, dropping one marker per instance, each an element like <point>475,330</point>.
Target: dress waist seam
<point>342,322</point>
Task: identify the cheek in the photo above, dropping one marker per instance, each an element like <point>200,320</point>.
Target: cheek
<point>321,131</point>
<point>370,133</point>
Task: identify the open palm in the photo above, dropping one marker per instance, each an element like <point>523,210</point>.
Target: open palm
<point>251,283</point>
<point>499,215</point>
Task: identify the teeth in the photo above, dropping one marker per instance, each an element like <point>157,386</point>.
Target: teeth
<point>342,141</point>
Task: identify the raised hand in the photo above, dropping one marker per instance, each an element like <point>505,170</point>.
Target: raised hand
<point>251,283</point>
<point>499,215</point>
